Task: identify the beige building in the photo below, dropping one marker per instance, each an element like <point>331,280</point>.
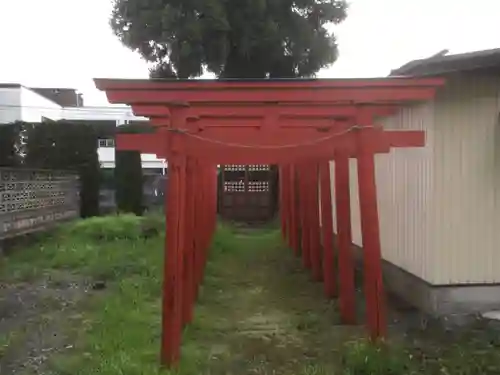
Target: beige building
<point>439,206</point>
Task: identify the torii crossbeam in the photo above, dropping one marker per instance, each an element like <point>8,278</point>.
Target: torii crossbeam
<point>300,125</point>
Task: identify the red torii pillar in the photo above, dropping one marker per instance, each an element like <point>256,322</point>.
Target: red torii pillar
<point>293,209</point>
<point>366,139</point>
<point>190,184</point>
<point>289,206</point>
<point>329,273</point>
<point>347,290</point>
<point>304,212</point>
<point>312,200</point>
<point>369,141</point>
<point>283,202</point>
<point>314,100</point>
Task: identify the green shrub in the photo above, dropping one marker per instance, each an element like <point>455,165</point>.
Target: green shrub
<point>128,173</point>
<point>363,357</point>
<point>152,225</point>
<point>128,182</point>
<point>110,228</point>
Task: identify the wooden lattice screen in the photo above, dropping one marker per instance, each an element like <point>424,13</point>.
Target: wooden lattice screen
<point>247,192</point>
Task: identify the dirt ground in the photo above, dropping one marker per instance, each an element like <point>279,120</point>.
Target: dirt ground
<point>35,321</point>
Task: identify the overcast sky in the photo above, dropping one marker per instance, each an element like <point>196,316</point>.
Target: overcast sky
<point>66,43</point>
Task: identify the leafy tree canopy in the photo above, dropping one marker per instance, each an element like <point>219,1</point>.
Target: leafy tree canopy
<point>231,38</point>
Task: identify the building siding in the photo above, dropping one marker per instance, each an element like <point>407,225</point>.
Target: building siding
<point>107,159</point>
<point>466,218</point>
<point>35,107</point>
<point>404,183</point>
<point>439,205</point>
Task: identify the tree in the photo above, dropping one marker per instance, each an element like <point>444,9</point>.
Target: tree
<point>129,182</point>
<point>231,38</point>
<point>10,139</point>
<point>128,173</point>
<point>67,146</point>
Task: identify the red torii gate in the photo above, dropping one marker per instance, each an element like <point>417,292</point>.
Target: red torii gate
<point>300,125</point>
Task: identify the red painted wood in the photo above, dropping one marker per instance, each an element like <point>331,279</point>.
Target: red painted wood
<point>408,138</point>
<point>386,95</point>
<point>196,235</point>
<point>286,202</point>
<point>147,143</point>
<point>182,219</point>
<point>208,224</point>
<point>227,126</point>
<point>273,150</point>
<point>299,84</point>
<point>202,222</point>
<point>304,219</point>
<point>315,234</point>
<point>172,286</point>
<point>205,217</point>
<point>329,275</point>
<point>189,278</point>
<point>283,111</point>
<point>268,122</point>
<point>210,147</point>
<point>374,291</point>
<point>346,262</point>
<point>282,209</point>
<point>294,211</point>
<point>174,290</point>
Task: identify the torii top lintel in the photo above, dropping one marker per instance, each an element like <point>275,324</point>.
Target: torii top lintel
<point>288,111</point>
<point>394,90</point>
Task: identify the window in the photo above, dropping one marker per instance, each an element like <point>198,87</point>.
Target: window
<point>106,143</point>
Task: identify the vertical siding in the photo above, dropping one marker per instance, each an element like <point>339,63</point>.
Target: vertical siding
<point>466,217</point>
<point>439,205</point>
<point>404,186</point>
<point>405,195</point>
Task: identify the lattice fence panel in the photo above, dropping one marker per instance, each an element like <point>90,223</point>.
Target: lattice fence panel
<point>32,200</point>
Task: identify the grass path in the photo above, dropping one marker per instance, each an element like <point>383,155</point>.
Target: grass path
<point>86,300</point>
<point>260,314</point>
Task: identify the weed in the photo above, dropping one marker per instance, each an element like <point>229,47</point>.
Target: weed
<point>363,357</point>
<point>111,228</point>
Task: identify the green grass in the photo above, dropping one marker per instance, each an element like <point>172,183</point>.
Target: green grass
<point>117,329</point>
<point>258,311</point>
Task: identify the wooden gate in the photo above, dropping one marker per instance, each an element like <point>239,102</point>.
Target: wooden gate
<point>247,192</point>
<point>298,125</point>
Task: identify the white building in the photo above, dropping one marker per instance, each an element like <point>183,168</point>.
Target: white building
<point>106,149</point>
<point>439,205</point>
<point>21,103</point>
